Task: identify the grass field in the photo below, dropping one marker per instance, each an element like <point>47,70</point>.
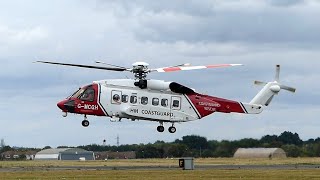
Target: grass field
<point>166,174</point>
<point>174,173</point>
<point>162,162</point>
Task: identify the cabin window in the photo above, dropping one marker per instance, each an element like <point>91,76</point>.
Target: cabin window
<point>175,103</point>
<point>133,99</point>
<point>88,94</point>
<point>125,98</point>
<point>144,100</point>
<point>164,102</point>
<point>155,101</point>
<point>116,98</point>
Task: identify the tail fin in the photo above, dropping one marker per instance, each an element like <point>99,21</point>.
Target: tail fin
<point>270,89</point>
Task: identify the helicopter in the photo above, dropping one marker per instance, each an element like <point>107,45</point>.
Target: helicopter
<point>157,100</point>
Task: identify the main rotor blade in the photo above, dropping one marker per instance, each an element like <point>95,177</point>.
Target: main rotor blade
<point>100,62</point>
<point>184,68</point>
<point>84,66</point>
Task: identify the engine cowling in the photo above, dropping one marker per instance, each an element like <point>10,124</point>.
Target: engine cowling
<point>158,85</point>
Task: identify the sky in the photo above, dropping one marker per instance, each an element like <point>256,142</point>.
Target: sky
<point>258,34</point>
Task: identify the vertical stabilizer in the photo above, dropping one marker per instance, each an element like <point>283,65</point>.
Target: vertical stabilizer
<point>270,89</point>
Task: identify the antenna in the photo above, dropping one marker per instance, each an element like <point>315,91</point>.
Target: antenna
<point>118,140</point>
<point>2,143</point>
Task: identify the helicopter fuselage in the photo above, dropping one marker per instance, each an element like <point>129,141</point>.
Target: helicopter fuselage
<point>161,101</point>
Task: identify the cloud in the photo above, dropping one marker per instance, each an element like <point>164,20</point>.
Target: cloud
<point>286,3</point>
<point>223,21</point>
<point>10,36</point>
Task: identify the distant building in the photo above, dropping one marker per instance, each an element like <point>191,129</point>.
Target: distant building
<point>260,153</point>
<point>21,155</point>
<point>115,155</point>
<point>65,154</point>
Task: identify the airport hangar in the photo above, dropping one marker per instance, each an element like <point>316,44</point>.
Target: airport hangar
<point>65,154</point>
<point>260,153</point>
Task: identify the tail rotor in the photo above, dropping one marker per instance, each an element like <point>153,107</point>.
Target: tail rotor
<point>265,96</point>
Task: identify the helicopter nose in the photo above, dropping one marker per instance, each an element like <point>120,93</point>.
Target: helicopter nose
<point>61,105</point>
<point>67,105</point>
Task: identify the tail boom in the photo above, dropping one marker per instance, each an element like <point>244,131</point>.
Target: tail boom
<point>205,105</point>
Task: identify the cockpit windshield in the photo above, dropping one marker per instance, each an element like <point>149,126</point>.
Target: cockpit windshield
<point>86,94</point>
<point>77,93</point>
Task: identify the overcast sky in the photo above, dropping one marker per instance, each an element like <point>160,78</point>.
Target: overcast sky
<point>258,34</point>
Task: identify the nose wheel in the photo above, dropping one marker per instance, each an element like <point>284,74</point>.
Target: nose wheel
<point>85,122</point>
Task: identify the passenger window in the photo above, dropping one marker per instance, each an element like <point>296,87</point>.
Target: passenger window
<point>133,99</point>
<point>164,102</point>
<point>155,101</point>
<point>175,103</point>
<point>88,94</point>
<point>116,98</point>
<point>125,98</point>
<point>144,100</point>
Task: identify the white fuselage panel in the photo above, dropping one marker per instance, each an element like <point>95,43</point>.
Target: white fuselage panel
<point>121,99</point>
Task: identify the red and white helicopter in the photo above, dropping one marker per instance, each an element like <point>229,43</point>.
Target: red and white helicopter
<point>157,100</point>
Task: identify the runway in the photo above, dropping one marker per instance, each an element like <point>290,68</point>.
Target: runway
<point>197,167</point>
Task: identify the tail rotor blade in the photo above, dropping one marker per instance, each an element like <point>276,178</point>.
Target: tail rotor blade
<point>269,100</point>
<point>260,83</point>
<point>290,89</point>
<point>277,77</point>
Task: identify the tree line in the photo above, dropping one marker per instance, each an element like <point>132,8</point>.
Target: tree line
<point>197,146</point>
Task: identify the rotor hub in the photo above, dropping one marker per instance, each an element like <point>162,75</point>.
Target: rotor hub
<point>140,70</point>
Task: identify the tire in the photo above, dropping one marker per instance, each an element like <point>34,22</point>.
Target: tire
<point>160,128</point>
<point>172,129</point>
<point>85,123</point>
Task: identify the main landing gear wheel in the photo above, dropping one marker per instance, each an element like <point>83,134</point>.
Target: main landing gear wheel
<point>172,129</point>
<point>160,128</point>
<point>85,123</point>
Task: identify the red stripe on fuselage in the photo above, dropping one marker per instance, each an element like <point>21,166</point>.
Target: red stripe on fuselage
<point>206,105</point>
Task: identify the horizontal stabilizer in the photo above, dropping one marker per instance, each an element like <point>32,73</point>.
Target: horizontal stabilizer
<point>252,108</point>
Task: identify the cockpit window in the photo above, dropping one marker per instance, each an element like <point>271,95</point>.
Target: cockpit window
<point>88,94</point>
<point>77,93</point>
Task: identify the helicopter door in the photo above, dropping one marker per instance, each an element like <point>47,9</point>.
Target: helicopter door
<point>116,97</point>
<point>175,103</point>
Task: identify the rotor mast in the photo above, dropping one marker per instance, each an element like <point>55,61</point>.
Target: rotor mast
<point>140,71</point>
